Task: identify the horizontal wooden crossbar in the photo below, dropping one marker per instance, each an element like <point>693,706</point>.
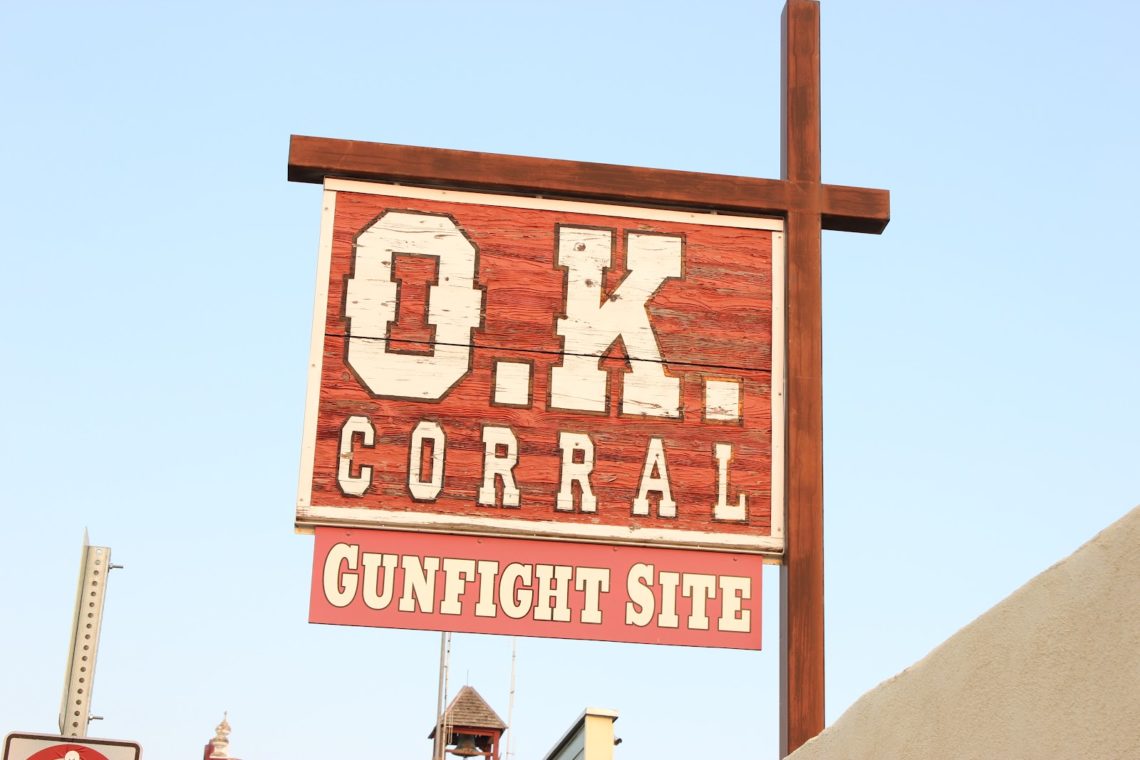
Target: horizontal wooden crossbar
<point>852,209</point>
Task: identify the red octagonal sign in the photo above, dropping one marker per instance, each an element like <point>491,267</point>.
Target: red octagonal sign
<point>47,747</point>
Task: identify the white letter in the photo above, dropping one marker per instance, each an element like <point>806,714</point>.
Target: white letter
<point>340,587</point>
<point>454,306</point>
<point>590,326</point>
<point>722,510</point>
<point>557,592</point>
<point>700,588</point>
<point>515,606</point>
<point>348,484</point>
<point>640,594</point>
<point>456,575</point>
<point>655,458</point>
<point>420,585</point>
<point>569,444</point>
<point>503,467</point>
<point>372,562</point>
<point>733,590</point>
<point>487,571</point>
<point>668,617</point>
<point>426,490</point>
<point>594,581</point>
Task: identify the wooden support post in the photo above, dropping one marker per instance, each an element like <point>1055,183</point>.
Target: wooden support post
<point>807,204</point>
<point>801,575</point>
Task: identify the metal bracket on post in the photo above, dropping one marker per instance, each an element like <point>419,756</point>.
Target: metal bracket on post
<point>75,710</point>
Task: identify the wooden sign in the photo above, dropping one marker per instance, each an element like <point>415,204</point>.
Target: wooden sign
<point>509,366</point>
<point>636,408</point>
<point>525,587</point>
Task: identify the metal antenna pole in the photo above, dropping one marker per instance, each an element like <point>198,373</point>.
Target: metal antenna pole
<point>446,694</point>
<point>511,700</point>
<point>444,654</point>
<point>79,681</point>
<point>439,696</point>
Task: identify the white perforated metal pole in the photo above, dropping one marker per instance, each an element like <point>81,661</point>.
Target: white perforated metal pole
<point>440,745</point>
<point>75,711</point>
<point>511,700</point>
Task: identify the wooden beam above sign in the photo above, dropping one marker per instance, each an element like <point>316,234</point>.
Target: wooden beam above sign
<point>851,209</point>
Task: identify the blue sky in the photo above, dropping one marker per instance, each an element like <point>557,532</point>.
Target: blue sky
<point>981,358</point>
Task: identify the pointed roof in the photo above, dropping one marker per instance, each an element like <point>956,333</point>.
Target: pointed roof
<point>470,710</point>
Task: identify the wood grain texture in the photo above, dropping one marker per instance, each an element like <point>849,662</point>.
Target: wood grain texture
<point>717,314</point>
<point>312,159</point>
<point>802,571</point>
<point>854,209</point>
<point>712,324</point>
<point>801,576</point>
<point>800,92</point>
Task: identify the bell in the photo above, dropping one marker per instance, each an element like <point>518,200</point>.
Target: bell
<point>465,746</point>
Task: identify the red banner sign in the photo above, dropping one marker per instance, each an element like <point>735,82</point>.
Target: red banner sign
<point>499,365</point>
<point>525,587</point>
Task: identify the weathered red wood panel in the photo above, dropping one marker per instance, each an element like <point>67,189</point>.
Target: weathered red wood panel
<point>597,353</point>
<point>717,314</point>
